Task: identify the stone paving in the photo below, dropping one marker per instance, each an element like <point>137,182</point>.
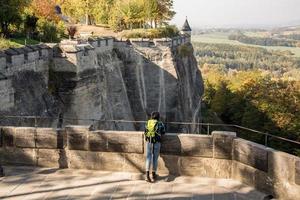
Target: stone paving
<point>42,183</point>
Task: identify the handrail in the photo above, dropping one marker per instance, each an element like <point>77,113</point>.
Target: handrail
<point>267,135</point>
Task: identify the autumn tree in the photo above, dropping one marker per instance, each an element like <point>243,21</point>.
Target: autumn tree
<point>10,14</point>
<point>45,9</point>
<point>79,9</point>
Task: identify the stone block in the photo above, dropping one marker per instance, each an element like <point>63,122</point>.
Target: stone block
<point>251,154</point>
<point>47,138</point>
<point>281,166</point>
<point>243,173</point>
<point>171,145</point>
<point>264,183</point>
<point>168,164</point>
<point>110,161</point>
<point>106,161</point>
<point>297,172</point>
<point>205,167</point>
<point>17,156</point>
<point>48,158</point>
<point>82,159</point>
<point>26,137</point>
<point>97,141</point>
<point>196,145</point>
<point>134,162</point>
<point>126,142</point>
<point>222,144</point>
<point>8,136</point>
<point>77,137</point>
<point>112,141</point>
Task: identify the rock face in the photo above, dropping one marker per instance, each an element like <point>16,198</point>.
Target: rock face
<point>113,80</point>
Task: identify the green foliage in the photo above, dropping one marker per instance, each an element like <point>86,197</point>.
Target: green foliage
<point>263,41</point>
<point>30,24</point>
<point>247,87</point>
<point>10,14</point>
<point>120,14</point>
<point>185,50</point>
<point>50,31</point>
<point>246,58</point>
<point>163,32</point>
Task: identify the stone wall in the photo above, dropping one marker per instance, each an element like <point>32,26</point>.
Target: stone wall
<point>270,171</point>
<point>220,155</point>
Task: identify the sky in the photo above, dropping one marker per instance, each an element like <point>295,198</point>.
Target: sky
<point>237,13</point>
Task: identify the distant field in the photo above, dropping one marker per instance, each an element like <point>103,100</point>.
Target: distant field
<point>222,38</point>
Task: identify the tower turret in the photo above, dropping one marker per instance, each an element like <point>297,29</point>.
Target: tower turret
<point>186,29</point>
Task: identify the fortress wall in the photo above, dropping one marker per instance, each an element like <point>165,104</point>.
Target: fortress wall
<point>220,155</point>
<point>7,94</point>
<point>73,53</point>
<point>29,58</point>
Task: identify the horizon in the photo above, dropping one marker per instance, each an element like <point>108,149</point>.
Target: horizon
<point>237,13</point>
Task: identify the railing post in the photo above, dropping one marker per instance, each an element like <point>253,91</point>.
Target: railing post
<point>35,122</point>
<point>208,129</point>
<point>266,140</point>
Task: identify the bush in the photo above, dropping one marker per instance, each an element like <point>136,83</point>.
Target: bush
<point>49,31</point>
<point>185,50</point>
<point>165,32</point>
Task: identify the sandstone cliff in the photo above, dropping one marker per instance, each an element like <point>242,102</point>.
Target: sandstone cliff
<point>112,80</point>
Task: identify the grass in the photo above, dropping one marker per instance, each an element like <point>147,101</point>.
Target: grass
<point>16,42</point>
<point>222,38</point>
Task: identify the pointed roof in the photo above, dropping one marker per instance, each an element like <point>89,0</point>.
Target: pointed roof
<point>186,26</point>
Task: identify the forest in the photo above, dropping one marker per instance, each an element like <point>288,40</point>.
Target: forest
<point>287,41</point>
<point>252,87</point>
<point>52,20</point>
<point>120,14</point>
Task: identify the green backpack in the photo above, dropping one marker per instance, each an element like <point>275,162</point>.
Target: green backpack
<point>151,129</point>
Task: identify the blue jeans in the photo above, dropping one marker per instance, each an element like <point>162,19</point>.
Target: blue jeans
<point>152,153</point>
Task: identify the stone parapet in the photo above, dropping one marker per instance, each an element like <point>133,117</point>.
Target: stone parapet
<point>220,155</point>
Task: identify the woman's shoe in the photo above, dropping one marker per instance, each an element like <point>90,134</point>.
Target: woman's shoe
<point>154,176</point>
<point>148,179</point>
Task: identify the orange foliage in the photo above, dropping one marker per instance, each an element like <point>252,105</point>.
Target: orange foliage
<point>45,9</point>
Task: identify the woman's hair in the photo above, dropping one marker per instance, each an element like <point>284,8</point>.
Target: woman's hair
<point>155,115</point>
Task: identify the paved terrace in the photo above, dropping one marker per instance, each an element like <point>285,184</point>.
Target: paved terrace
<point>48,183</point>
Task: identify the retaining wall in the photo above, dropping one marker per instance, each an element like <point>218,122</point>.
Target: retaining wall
<point>220,155</point>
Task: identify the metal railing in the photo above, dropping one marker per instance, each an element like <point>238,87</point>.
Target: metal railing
<point>267,139</point>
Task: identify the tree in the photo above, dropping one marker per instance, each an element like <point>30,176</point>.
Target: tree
<point>79,9</point>
<point>10,14</point>
<point>165,12</point>
<point>30,24</point>
<point>45,9</point>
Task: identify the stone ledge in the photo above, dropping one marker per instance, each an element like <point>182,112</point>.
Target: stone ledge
<point>111,141</point>
<point>25,137</point>
<point>187,145</point>
<point>251,154</point>
<point>77,137</point>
